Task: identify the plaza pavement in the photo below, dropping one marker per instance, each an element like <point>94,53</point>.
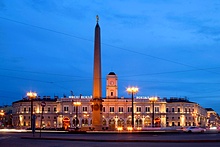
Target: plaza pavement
<point>175,136</point>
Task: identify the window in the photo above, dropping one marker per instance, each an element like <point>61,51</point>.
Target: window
<point>172,109</point>
<point>55,109</point>
<point>66,108</point>
<point>167,109</point>
<point>24,110</point>
<point>178,123</point>
<point>24,117</point>
<point>138,109</point>
<point>185,109</point>
<point>103,109</point>
<point>112,93</point>
<point>156,109</point>
<point>48,117</point>
<point>111,109</point>
<point>178,109</point>
<point>129,109</point>
<point>178,117</point>
<point>189,110</point>
<point>167,118</point>
<point>172,117</point>
<point>48,109</point>
<point>120,109</point>
<point>147,109</point>
<point>54,117</point>
<point>29,109</point>
<point>173,124</point>
<point>84,108</point>
<point>186,124</point>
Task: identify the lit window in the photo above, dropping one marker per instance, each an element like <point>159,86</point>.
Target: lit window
<point>138,109</point>
<point>120,109</point>
<point>66,108</point>
<point>84,108</point>
<point>111,109</point>
<point>156,109</point>
<point>147,109</point>
<point>129,109</point>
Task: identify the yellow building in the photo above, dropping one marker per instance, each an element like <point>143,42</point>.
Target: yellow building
<point>116,112</point>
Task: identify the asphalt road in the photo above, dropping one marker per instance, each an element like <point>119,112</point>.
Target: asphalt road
<point>107,140</point>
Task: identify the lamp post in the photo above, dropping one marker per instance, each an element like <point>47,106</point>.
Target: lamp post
<point>132,91</point>
<point>76,104</point>
<point>153,100</point>
<point>43,104</point>
<point>32,95</point>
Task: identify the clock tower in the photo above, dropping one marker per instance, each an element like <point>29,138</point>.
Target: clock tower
<point>112,86</point>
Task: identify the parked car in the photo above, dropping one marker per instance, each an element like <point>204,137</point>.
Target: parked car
<point>194,129</point>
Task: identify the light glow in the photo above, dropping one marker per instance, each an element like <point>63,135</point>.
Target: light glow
<point>77,103</point>
<point>132,90</point>
<point>129,128</point>
<point>153,99</point>
<point>31,94</point>
<point>119,128</point>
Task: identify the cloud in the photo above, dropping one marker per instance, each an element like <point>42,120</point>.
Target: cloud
<point>2,5</point>
<point>203,27</point>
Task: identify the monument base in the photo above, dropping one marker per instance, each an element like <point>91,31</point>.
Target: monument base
<point>97,128</point>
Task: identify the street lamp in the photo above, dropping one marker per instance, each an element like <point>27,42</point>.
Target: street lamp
<point>76,104</point>
<point>2,114</point>
<point>153,100</point>
<point>132,91</point>
<point>32,95</point>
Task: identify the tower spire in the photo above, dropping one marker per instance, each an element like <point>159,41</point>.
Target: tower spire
<point>97,18</point>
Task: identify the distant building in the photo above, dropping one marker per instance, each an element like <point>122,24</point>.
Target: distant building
<point>5,116</point>
<point>116,112</point>
<point>212,118</point>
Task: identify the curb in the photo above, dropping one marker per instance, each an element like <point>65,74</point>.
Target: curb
<point>95,140</point>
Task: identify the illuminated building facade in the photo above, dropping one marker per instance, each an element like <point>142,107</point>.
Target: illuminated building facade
<point>116,112</point>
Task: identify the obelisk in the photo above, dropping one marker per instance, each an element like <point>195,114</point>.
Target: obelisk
<point>97,81</point>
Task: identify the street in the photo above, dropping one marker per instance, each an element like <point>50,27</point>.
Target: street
<point>107,140</point>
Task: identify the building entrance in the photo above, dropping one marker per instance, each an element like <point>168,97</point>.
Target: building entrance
<point>66,123</point>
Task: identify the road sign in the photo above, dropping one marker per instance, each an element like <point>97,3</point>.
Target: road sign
<point>43,104</point>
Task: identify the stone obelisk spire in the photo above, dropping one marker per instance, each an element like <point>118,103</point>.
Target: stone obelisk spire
<point>97,81</point>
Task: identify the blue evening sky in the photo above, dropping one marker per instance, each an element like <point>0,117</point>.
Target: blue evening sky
<point>168,48</point>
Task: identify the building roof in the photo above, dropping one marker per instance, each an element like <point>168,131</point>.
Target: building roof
<point>111,73</point>
<point>209,109</point>
<point>45,98</point>
<point>174,99</point>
